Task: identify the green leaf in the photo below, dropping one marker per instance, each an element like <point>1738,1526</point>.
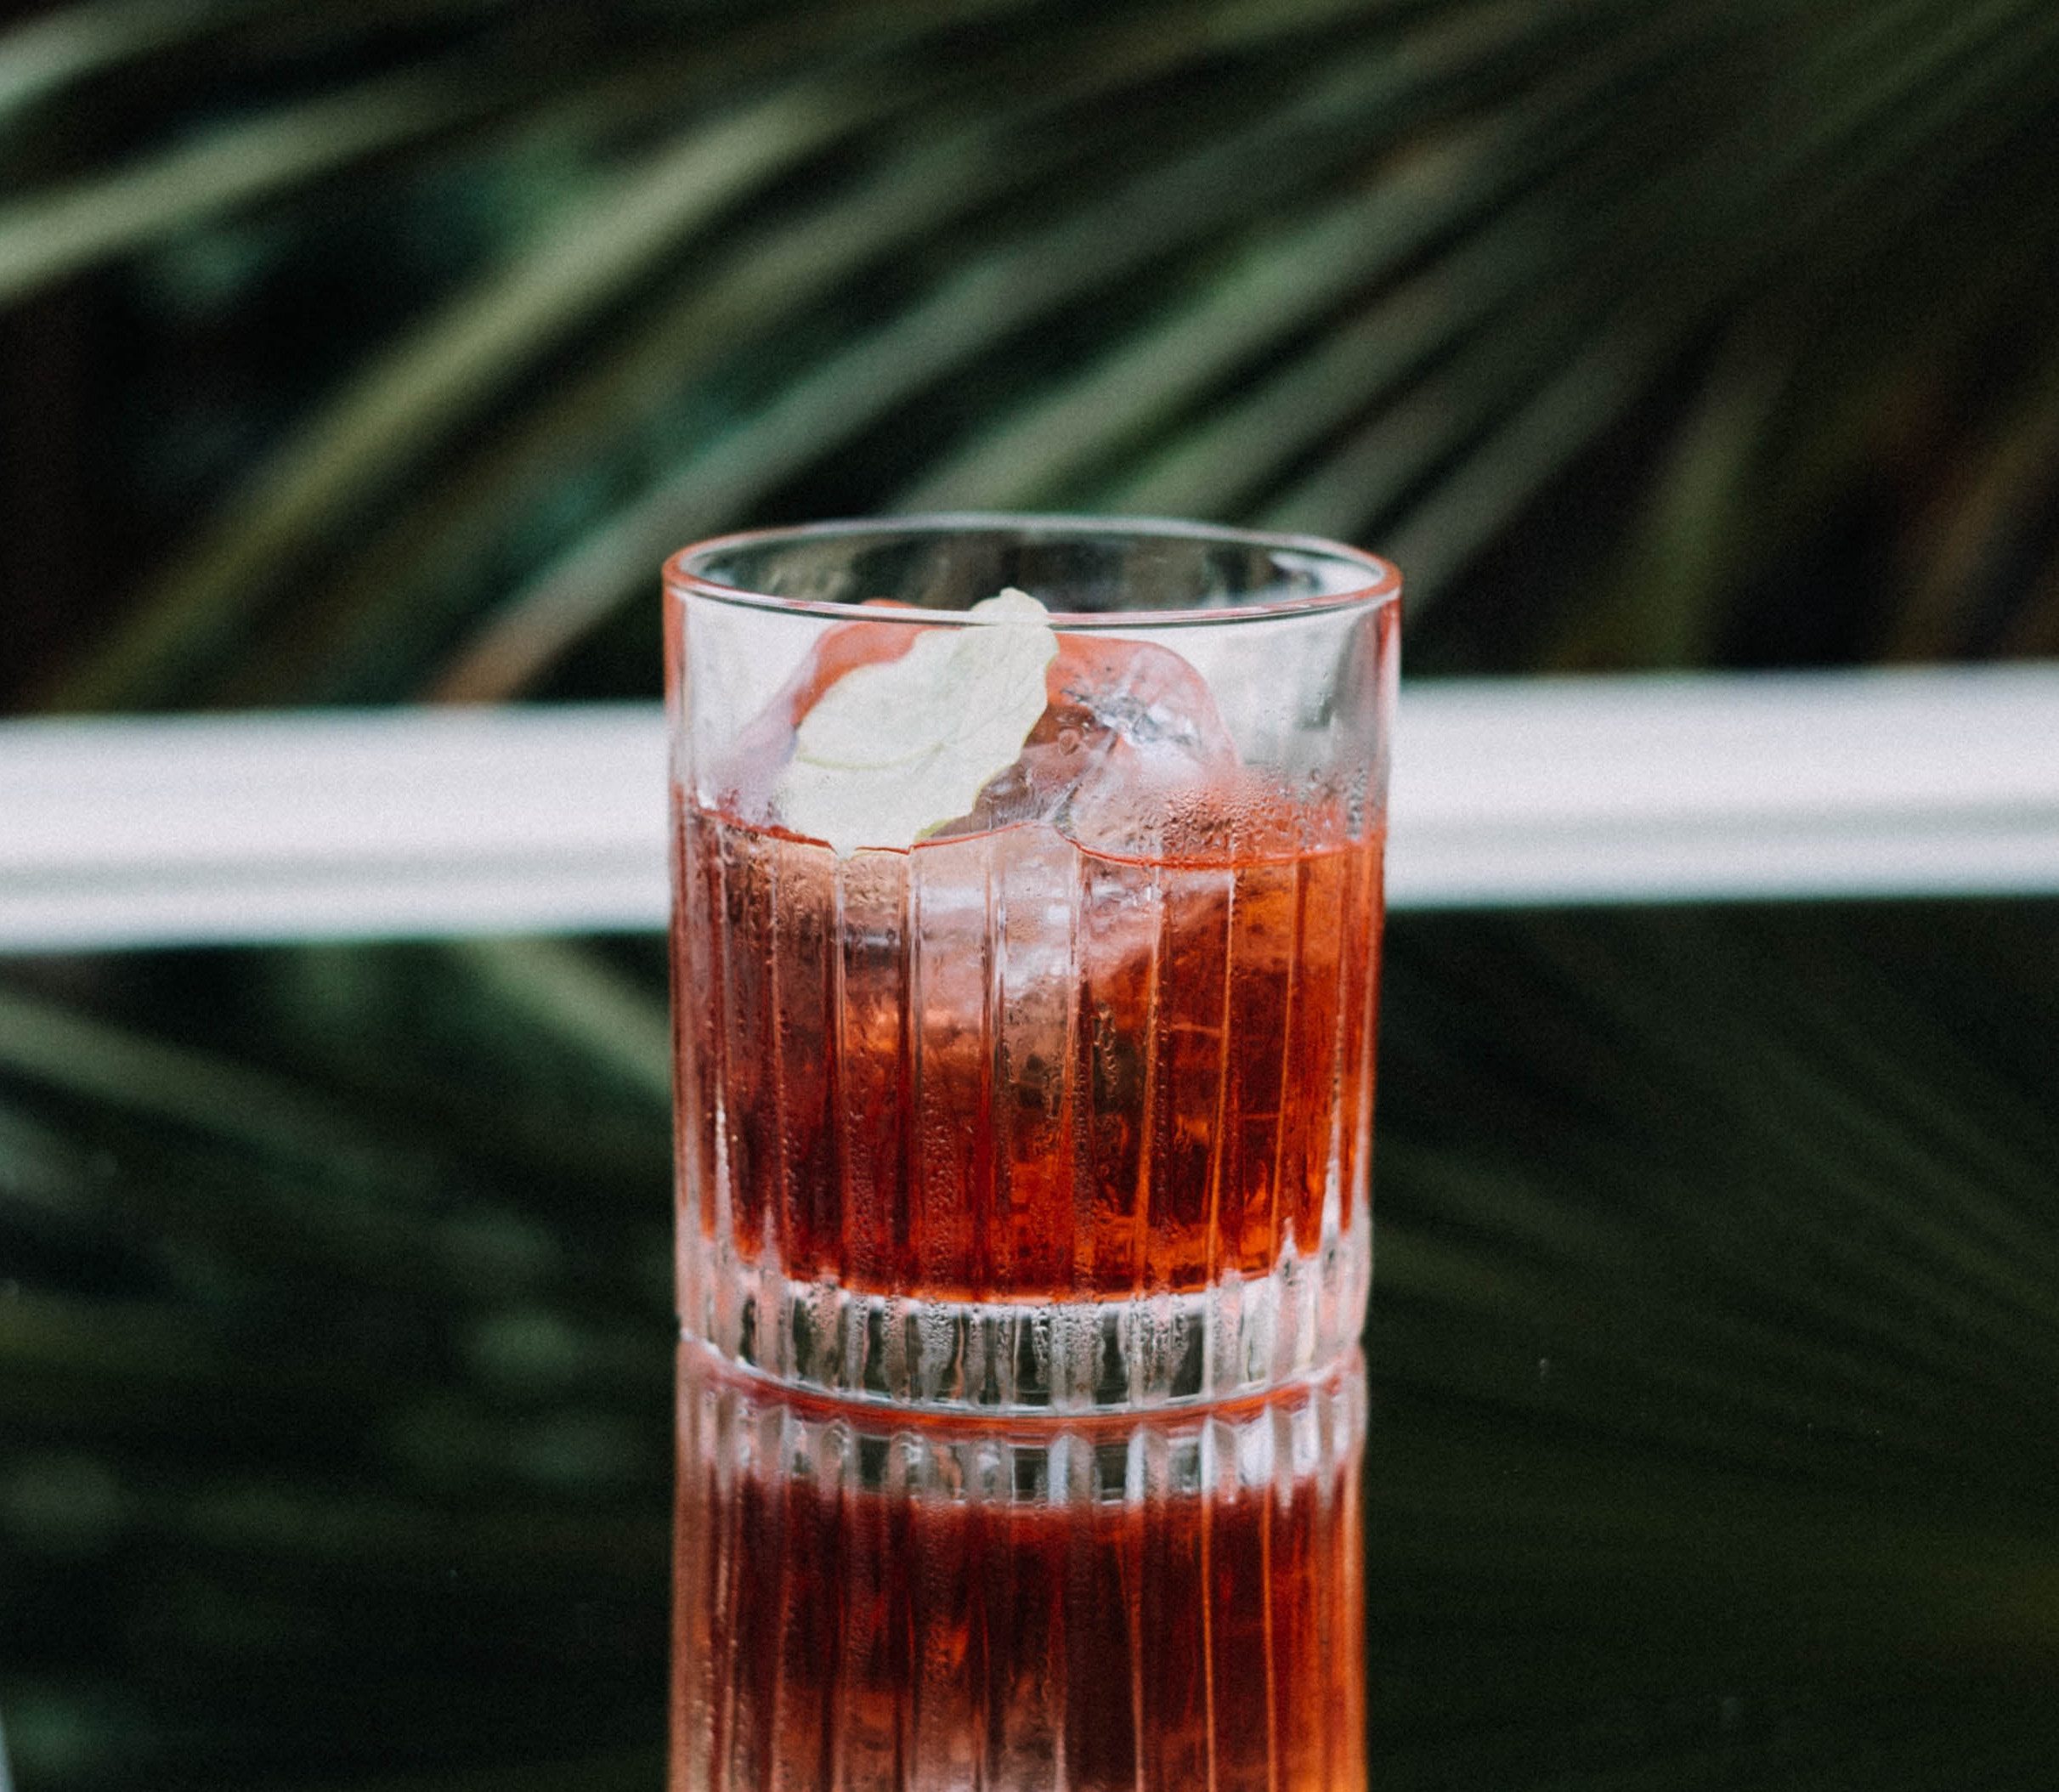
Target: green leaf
<point>412,395</point>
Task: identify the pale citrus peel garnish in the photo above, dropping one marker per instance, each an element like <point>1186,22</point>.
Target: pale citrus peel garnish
<point>893,750</point>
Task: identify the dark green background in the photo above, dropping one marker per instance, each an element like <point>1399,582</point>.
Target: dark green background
<point>361,353</point>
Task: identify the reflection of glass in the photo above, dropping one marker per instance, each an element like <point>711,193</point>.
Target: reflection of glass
<point>1063,1100</point>
<point>866,1597</point>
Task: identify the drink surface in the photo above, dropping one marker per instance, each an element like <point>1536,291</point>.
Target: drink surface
<point>1004,1065</point>
<point>1165,1608</point>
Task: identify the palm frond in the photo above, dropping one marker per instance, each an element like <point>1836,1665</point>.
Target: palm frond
<point>50,238</point>
<point>59,49</point>
<point>1456,277</point>
<point>369,436</point>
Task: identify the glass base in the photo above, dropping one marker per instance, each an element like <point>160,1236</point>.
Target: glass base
<point>1242,1336</point>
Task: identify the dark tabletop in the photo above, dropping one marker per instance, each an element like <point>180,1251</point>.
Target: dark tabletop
<point>1714,1362</point>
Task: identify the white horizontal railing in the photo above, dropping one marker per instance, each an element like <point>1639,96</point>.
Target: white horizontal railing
<point>424,822</point>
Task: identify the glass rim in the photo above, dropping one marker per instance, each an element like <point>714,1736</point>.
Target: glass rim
<point>1382,585</point>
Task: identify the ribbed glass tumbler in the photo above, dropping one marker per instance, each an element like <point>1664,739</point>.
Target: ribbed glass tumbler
<point>1026,949</point>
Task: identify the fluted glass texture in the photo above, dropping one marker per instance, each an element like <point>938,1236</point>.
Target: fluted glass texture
<point>1067,1101</point>
<point>865,1599</point>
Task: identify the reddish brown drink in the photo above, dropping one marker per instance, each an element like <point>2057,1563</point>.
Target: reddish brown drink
<point>1174,1101</point>
<point>1063,1097</point>
<point>1177,1604</point>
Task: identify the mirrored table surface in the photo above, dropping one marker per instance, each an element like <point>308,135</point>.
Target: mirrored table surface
<point>1709,1405</point>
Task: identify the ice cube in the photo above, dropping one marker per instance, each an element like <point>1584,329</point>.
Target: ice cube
<point>1130,756</point>
<point>1126,752</point>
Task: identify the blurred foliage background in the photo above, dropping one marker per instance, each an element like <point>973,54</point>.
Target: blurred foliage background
<point>370,353</point>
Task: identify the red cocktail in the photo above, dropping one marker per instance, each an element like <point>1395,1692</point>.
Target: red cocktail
<point>1061,1095</point>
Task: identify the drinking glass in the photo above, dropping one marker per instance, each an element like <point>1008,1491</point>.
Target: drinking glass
<point>1064,1097</point>
<point>867,1598</point>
